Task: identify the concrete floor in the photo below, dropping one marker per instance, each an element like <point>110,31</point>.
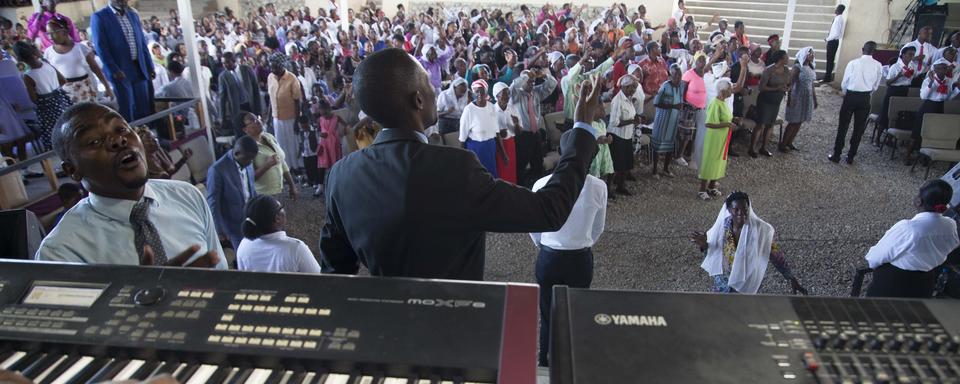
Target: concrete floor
<point>826,217</point>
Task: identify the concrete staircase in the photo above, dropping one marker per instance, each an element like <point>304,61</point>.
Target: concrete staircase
<point>811,21</point>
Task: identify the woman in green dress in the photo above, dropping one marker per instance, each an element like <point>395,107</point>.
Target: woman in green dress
<point>602,165</point>
<point>716,142</point>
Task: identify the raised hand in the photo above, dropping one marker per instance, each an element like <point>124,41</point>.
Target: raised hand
<point>207,260</point>
<point>589,99</point>
<point>699,238</point>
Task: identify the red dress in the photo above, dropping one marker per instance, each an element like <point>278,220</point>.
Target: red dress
<point>328,149</point>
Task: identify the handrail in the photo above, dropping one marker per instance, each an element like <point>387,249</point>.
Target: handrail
<point>185,103</point>
<point>26,163</point>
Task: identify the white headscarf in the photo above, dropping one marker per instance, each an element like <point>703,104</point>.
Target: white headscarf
<point>426,48</point>
<point>753,252</point>
<point>802,56</point>
<point>499,87</point>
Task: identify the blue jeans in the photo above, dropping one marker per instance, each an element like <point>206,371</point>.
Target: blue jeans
<point>557,267</point>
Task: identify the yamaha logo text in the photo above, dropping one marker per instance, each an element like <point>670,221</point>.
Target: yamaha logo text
<point>631,320</point>
<point>444,303</point>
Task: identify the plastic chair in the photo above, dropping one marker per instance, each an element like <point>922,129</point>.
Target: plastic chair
<point>939,134</point>
<point>893,134</point>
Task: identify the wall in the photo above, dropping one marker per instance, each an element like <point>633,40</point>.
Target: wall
<point>867,20</point>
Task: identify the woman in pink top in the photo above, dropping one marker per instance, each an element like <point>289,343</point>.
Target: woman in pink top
<point>693,114</point>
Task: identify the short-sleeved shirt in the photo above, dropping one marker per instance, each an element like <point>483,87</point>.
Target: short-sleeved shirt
<point>271,182</point>
<point>98,231</point>
<point>276,252</point>
<point>284,94</point>
<point>696,89</point>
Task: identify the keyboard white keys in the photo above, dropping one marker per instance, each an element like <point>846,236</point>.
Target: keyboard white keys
<point>13,359</point>
<point>50,369</point>
<point>202,374</point>
<point>423,381</point>
<point>176,371</point>
<point>337,378</point>
<point>366,380</point>
<point>230,375</point>
<point>258,376</point>
<point>74,370</point>
<point>128,370</point>
<point>396,380</point>
<point>308,378</point>
<point>286,377</point>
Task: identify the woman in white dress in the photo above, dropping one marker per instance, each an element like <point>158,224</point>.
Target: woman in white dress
<point>76,62</point>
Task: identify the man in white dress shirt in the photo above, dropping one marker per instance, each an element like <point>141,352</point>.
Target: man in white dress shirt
<point>920,244</point>
<point>126,219</point>
<point>860,79</point>
<point>833,42</point>
<point>925,53</point>
<point>565,256</point>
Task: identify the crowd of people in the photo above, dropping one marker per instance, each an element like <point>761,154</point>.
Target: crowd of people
<point>491,81</point>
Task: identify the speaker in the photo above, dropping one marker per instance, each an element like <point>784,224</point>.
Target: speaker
<point>934,16</point>
<point>21,234</point>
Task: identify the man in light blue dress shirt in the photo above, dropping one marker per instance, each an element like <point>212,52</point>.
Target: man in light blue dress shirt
<point>100,150</point>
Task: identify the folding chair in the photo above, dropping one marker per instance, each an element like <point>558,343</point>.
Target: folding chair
<point>939,134</point>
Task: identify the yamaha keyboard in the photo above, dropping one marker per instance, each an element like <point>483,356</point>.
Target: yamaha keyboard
<point>74,324</point>
<point>632,337</point>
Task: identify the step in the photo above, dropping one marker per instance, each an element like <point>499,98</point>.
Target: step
<point>693,6</point>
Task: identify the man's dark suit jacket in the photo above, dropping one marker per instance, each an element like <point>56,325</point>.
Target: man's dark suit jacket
<point>230,108</point>
<point>405,208</point>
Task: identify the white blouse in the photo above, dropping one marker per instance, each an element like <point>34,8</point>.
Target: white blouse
<point>896,69</point>
<point>72,64</point>
<point>928,90</point>
<point>623,108</point>
<point>505,118</point>
<point>275,252</point>
<point>479,123</point>
<point>46,79</point>
<point>448,99</point>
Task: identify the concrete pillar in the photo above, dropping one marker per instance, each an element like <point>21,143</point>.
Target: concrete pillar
<point>193,60</point>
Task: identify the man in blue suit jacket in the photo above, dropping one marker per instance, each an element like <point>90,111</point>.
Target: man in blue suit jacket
<point>230,187</point>
<point>119,41</point>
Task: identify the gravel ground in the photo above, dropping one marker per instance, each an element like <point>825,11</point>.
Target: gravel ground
<point>826,216</point>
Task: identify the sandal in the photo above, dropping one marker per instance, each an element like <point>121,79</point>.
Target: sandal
<point>669,175</point>
<point>715,192</point>
<point>704,196</point>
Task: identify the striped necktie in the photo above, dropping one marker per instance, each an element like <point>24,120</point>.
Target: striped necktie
<point>145,233</point>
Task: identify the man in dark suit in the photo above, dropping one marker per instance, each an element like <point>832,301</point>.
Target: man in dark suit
<point>403,207</point>
<point>119,41</point>
<point>239,91</point>
<point>230,187</point>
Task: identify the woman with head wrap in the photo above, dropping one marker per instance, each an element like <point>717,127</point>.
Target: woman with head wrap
<point>738,248</point>
<point>773,86</point>
<point>479,128</point>
<point>668,101</point>
<point>716,141</point>
<point>625,109</point>
<point>695,101</point>
<point>508,123</point>
<point>898,79</point>
<point>801,99</point>
<point>450,105</point>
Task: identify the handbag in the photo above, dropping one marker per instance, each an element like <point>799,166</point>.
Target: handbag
<point>12,191</point>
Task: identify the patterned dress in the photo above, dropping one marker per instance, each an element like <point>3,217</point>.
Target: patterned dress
<point>664,136</point>
<point>721,282</point>
<point>802,97</point>
<point>602,164</point>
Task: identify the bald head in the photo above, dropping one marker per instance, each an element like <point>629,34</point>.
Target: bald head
<point>394,89</point>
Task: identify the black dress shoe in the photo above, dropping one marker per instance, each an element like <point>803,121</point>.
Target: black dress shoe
<point>833,158</point>
<point>766,153</point>
<point>849,160</point>
<point>792,148</point>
